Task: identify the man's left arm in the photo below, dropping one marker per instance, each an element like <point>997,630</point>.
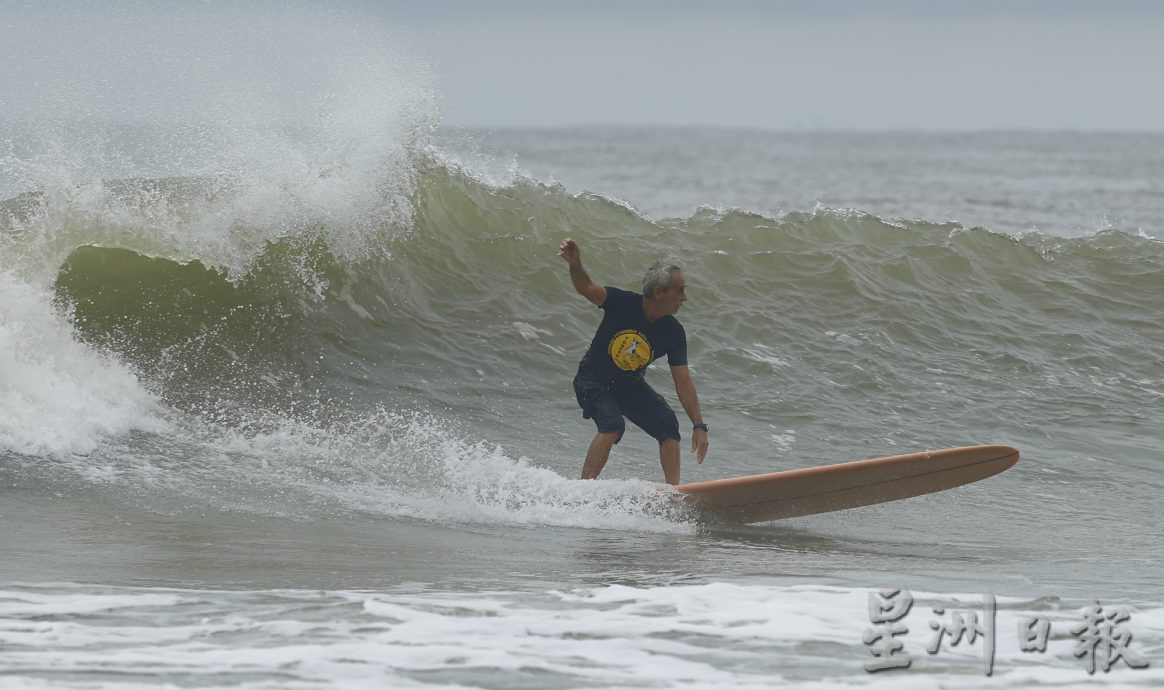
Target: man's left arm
<point>685,388</point>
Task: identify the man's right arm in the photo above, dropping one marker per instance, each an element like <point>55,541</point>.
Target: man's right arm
<point>578,275</point>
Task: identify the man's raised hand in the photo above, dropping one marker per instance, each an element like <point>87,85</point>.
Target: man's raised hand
<point>570,251</point>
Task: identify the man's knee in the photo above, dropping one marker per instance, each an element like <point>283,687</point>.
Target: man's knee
<point>612,427</point>
<point>609,437</point>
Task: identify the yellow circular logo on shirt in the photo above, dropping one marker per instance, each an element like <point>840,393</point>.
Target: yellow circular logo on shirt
<point>630,350</point>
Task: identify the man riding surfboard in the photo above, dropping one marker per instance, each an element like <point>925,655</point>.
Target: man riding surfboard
<point>636,330</point>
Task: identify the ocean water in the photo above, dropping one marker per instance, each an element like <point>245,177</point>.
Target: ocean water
<point>289,405</point>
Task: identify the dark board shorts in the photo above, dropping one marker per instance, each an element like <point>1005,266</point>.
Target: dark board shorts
<point>634,399</point>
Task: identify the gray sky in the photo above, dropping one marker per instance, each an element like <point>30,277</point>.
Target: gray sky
<point>851,64</point>
<point>940,64</point>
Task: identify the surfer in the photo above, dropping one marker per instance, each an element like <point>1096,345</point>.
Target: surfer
<point>636,330</point>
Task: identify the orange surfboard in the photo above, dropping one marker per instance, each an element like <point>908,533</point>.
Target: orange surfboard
<point>792,493</point>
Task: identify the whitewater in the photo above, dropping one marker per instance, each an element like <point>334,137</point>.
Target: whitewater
<point>285,392</point>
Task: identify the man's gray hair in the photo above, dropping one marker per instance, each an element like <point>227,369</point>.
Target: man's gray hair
<point>658,276</point>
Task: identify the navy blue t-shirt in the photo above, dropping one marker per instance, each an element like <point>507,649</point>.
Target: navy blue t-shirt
<point>626,342</point>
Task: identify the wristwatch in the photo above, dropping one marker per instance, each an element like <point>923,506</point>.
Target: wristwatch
<point>699,426</point>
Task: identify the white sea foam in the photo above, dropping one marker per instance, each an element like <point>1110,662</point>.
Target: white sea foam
<point>400,464</point>
<point>785,441</point>
<point>712,635</point>
<point>58,396</point>
<point>765,354</point>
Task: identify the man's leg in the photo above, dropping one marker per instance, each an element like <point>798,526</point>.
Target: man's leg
<point>669,459</point>
<point>647,409</point>
<point>599,451</point>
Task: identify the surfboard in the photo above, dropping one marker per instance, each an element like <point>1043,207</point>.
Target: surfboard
<point>810,490</point>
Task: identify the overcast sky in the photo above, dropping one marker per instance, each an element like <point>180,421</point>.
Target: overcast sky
<point>865,64</point>
<point>851,64</point>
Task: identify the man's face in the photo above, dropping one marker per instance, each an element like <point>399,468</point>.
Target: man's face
<point>674,296</point>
